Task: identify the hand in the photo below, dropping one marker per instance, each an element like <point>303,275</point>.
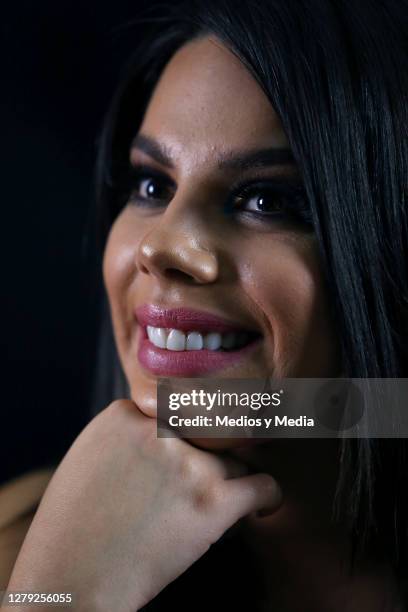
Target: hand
<point>126,513</point>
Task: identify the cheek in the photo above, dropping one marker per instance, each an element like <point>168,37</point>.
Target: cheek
<point>118,264</point>
<point>118,270</point>
<point>287,286</point>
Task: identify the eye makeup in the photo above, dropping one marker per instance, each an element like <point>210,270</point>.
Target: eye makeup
<point>277,199</point>
<point>273,199</point>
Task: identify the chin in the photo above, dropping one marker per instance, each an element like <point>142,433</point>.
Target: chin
<point>146,401</point>
<point>147,404</point>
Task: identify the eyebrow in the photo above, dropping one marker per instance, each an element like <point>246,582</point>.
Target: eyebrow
<point>235,161</point>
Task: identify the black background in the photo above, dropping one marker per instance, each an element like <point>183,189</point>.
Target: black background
<point>60,62</point>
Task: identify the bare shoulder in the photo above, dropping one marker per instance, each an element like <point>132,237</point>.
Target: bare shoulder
<point>19,499</point>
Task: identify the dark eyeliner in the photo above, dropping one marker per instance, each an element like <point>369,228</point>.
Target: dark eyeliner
<point>139,172</point>
<point>290,192</point>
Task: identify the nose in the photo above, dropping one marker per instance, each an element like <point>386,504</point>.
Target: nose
<point>176,250</point>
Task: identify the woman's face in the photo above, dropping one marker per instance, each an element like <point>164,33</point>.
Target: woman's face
<point>211,247</point>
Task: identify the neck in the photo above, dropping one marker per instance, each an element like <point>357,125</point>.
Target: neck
<point>301,552</point>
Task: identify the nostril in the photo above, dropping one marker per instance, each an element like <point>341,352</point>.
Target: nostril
<point>184,264</point>
<point>178,275</point>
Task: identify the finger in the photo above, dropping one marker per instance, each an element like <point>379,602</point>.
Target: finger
<point>224,466</point>
<point>227,467</point>
<point>251,493</point>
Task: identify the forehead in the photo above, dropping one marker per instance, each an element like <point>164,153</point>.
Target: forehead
<point>207,102</point>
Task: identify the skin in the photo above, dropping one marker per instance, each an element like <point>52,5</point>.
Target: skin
<point>125,513</point>
<point>189,252</point>
<point>122,497</point>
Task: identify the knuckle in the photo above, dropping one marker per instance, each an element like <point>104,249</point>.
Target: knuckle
<point>205,497</point>
<point>200,484</point>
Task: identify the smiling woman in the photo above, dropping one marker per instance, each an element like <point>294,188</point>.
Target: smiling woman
<point>207,206</point>
<point>252,199</point>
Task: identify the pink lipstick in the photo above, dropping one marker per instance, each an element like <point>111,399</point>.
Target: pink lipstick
<point>219,343</point>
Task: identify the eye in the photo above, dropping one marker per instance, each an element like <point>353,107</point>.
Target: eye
<point>273,201</point>
<point>148,187</point>
<point>262,203</point>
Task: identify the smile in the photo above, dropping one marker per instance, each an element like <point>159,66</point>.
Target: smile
<point>176,340</point>
<point>186,342</point>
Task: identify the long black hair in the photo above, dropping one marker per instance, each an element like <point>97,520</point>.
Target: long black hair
<point>336,73</point>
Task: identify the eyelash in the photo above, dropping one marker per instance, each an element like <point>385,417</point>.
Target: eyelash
<point>288,195</point>
<point>141,173</point>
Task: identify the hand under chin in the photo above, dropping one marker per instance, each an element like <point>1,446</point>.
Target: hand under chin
<point>224,443</point>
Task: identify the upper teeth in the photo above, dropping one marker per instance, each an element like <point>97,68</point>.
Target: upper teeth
<point>176,340</point>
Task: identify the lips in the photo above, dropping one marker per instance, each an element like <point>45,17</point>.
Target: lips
<point>185,319</point>
<point>164,362</point>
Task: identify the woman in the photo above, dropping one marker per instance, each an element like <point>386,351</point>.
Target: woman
<point>252,179</point>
